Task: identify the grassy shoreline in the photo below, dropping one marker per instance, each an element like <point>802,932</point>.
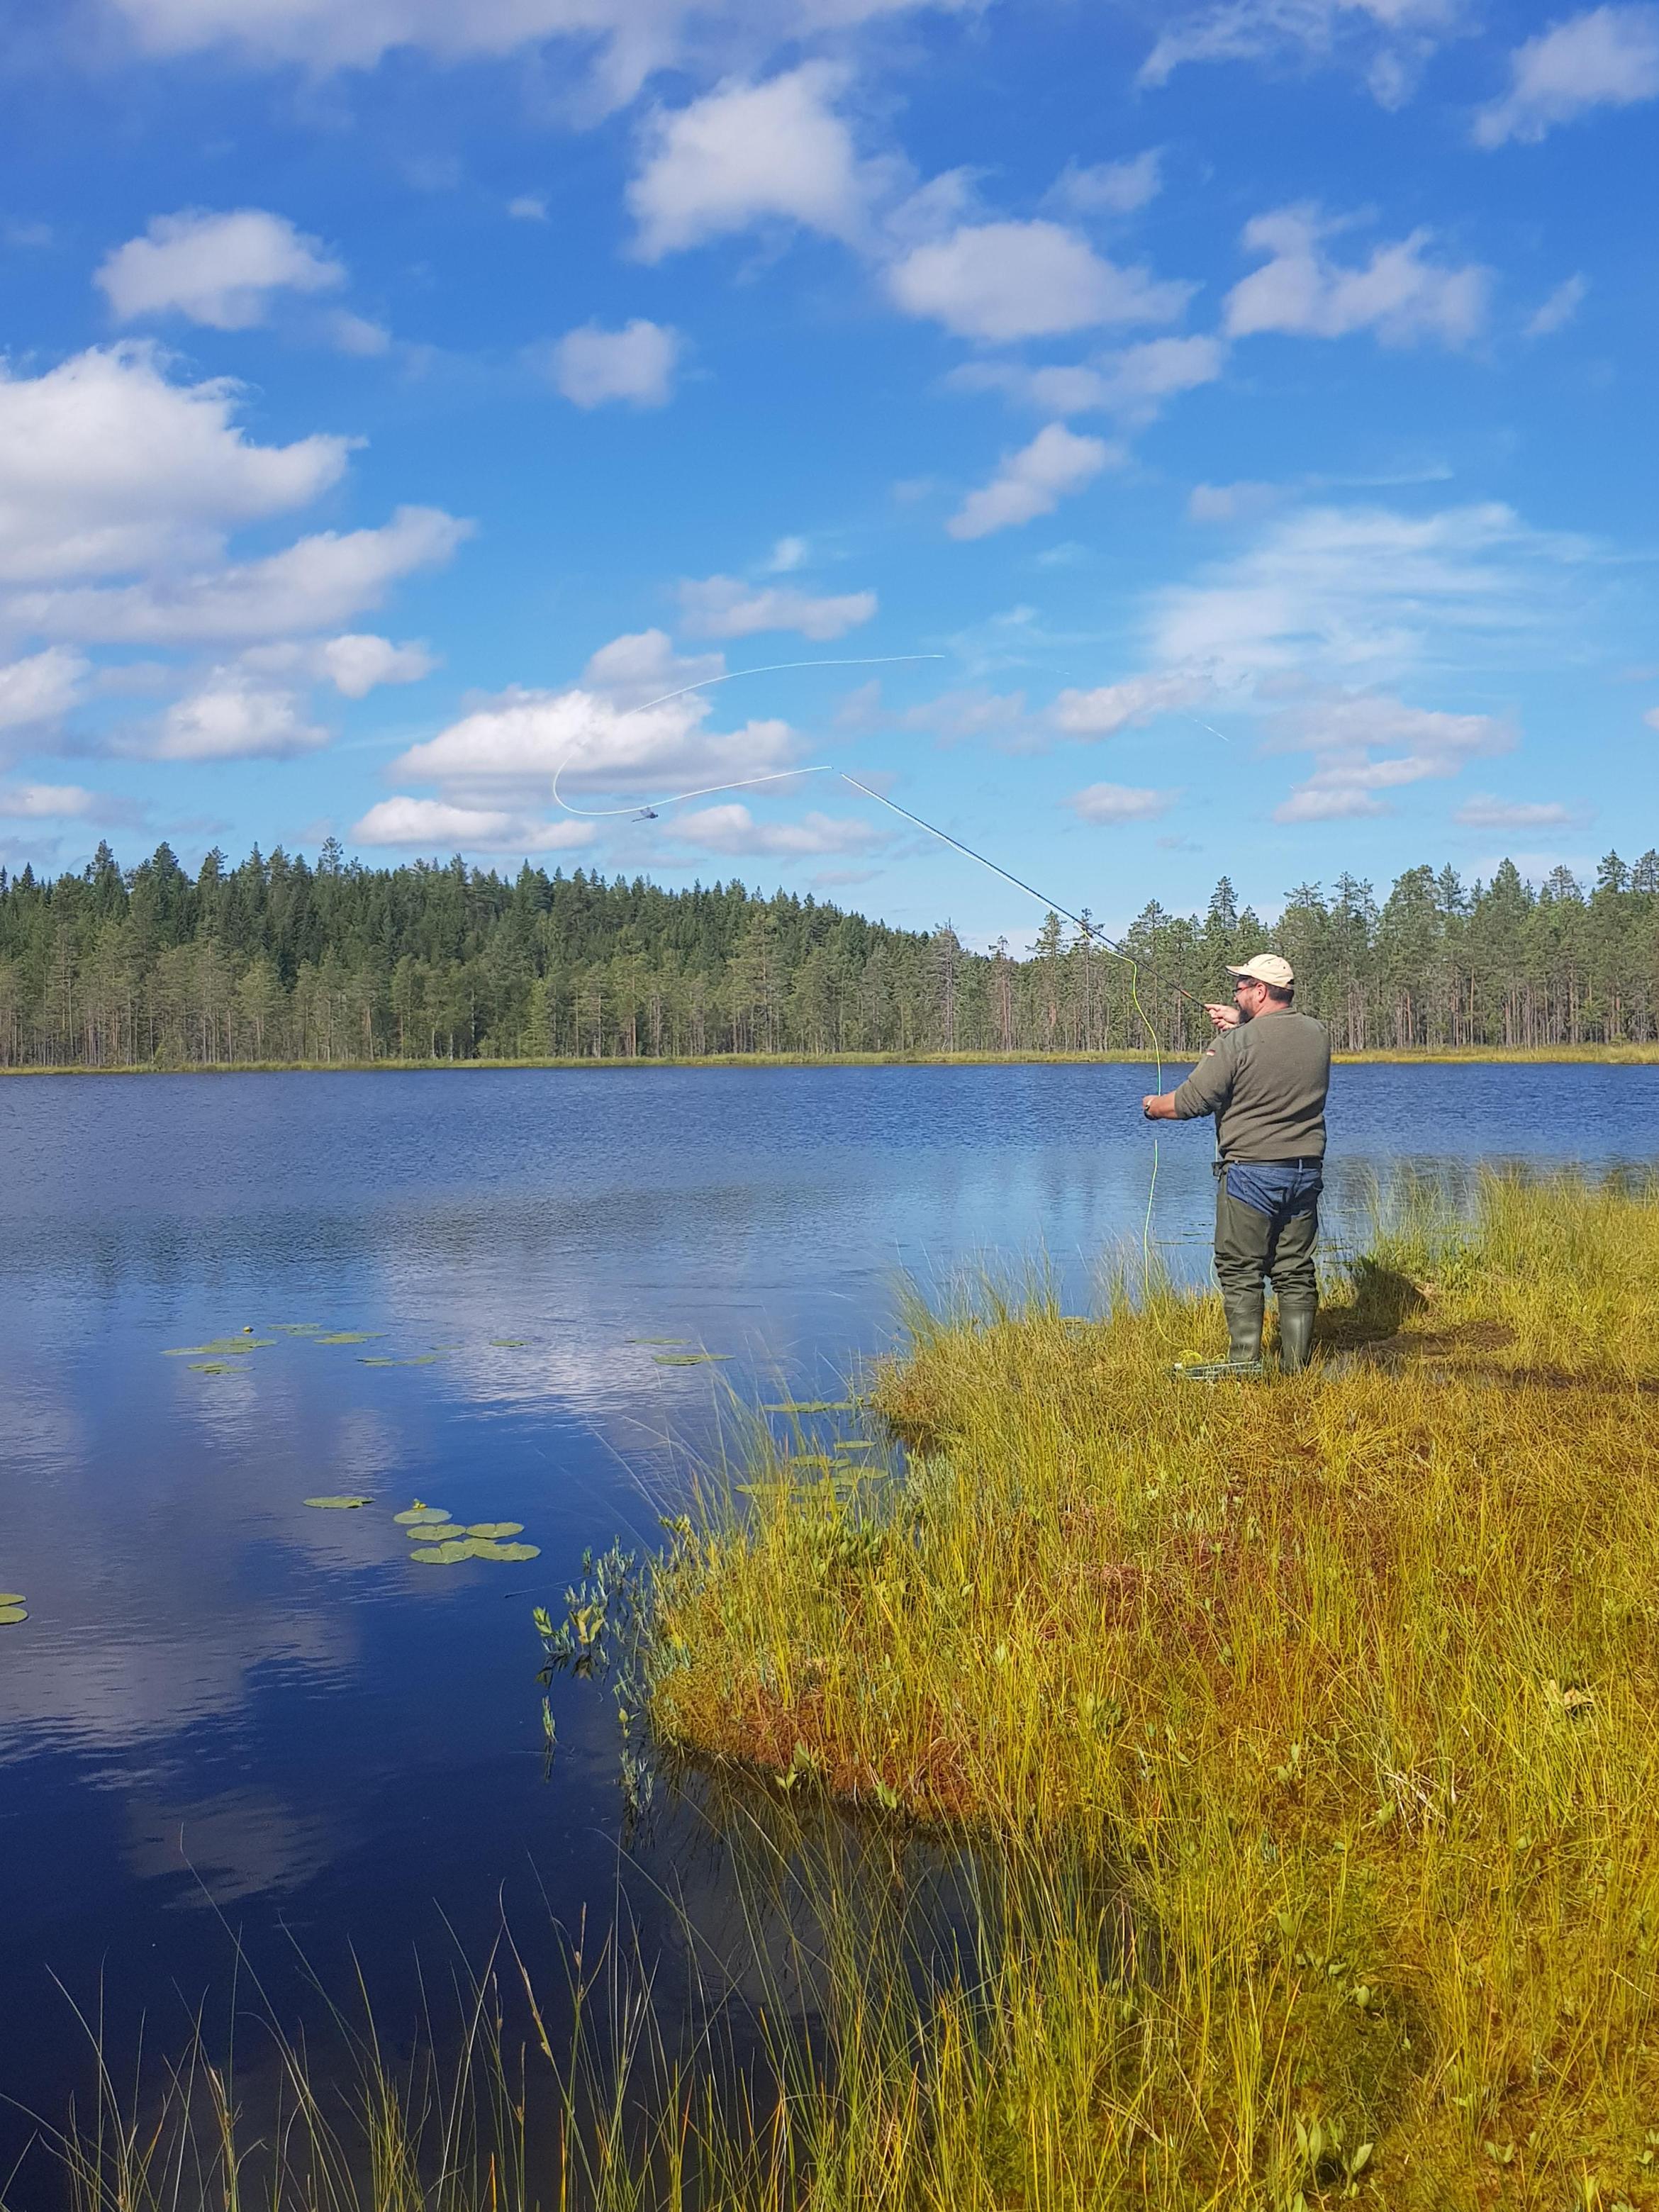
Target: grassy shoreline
<point>1146,1797</point>
<point>1590,1056</point>
<point>1348,1679</point>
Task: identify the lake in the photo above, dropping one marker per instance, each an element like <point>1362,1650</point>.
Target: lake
<point>231,1715</point>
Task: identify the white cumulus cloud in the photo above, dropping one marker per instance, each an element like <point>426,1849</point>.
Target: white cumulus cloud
<point>1133,382</point>
<point>1003,281</point>
<point>746,154</point>
<point>233,716</point>
<point>220,269</point>
<point>44,802</point>
<point>1110,803</point>
<point>107,466</point>
<point>514,744</point>
<point>312,585</point>
<point>354,663</point>
<point>1365,744</point>
<point>733,831</point>
<point>634,669</point>
<point>434,825</point>
<point>41,687</point>
<point>1032,481</point>
<point>592,365</point>
<point>726,606</point>
<point>1399,294</point>
<point>1607,58</point>
<point>1110,707</point>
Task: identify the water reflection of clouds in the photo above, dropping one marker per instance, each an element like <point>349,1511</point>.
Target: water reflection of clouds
<point>240,1844</point>
<point>125,1683</point>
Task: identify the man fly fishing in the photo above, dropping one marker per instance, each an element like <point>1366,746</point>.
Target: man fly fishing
<point>1264,1079</point>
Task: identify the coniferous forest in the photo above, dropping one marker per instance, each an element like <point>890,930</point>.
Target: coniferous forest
<point>280,961</point>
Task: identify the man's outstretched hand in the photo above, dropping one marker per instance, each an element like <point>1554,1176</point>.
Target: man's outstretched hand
<point>1158,1106</point>
<point>1224,1017</point>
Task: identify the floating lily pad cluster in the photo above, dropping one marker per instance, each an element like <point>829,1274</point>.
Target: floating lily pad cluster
<point>442,1541</point>
<point>12,1608</point>
<point>219,1357</point>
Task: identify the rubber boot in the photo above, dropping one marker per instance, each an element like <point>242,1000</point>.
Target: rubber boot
<point>1295,1328</point>
<point>1243,1311</point>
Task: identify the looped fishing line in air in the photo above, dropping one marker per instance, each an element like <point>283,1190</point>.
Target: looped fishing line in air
<point>1091,933</point>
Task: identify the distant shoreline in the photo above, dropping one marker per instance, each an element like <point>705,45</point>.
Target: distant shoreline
<point>1590,1056</point>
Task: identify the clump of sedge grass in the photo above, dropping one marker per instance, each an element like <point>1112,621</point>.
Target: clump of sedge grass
<point>1351,1677</point>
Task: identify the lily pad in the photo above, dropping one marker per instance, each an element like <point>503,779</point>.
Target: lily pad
<point>438,1532</point>
<point>11,1597</point>
<point>219,1346</point>
<point>211,1367</point>
<point>436,1513</point>
<point>442,1555</point>
<point>339,1504</point>
<point>687,1358</point>
<point>11,1614</point>
<point>509,1343</point>
<point>481,1548</point>
<point>350,1336</point>
<point>420,1359</point>
<point>493,1531</point>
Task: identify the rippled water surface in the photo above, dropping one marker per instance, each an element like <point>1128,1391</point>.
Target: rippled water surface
<point>228,1713</point>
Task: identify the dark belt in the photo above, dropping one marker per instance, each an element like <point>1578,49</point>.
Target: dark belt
<point>1306,1160</point>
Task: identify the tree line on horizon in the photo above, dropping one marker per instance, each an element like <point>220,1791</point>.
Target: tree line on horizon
<point>277,960</point>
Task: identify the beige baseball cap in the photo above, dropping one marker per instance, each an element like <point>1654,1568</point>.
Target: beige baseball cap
<point>1267,967</point>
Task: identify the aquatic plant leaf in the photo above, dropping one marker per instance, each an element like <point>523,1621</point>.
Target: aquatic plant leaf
<point>687,1358</point>
<point>350,1336</point>
<point>419,1512</point>
<point>438,1532</point>
<point>11,1614</point>
<point>509,1343</point>
<point>220,1346</point>
<point>481,1548</point>
<point>11,1597</point>
<point>442,1555</point>
<point>210,1367</point>
<point>339,1504</point>
<point>493,1531</point>
<point>420,1359</point>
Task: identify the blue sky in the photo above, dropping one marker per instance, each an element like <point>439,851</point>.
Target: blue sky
<point>1248,411</point>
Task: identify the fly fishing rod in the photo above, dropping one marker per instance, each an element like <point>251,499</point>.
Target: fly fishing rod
<point>646,809</point>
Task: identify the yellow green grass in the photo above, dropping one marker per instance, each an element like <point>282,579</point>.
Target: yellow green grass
<point>1310,1727</point>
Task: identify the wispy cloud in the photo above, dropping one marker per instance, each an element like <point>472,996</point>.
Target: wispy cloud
<point>1401,293</point>
<point>1033,482</point>
<point>1607,58</point>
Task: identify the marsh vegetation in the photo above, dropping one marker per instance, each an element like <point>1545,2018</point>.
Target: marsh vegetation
<point>1135,1793</point>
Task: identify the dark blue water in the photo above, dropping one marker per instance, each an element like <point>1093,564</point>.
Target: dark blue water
<point>229,1711</point>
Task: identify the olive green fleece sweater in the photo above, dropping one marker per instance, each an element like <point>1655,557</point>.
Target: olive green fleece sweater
<point>1264,1082</point>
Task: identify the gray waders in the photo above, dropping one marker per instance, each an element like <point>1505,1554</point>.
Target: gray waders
<point>1250,1246</point>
